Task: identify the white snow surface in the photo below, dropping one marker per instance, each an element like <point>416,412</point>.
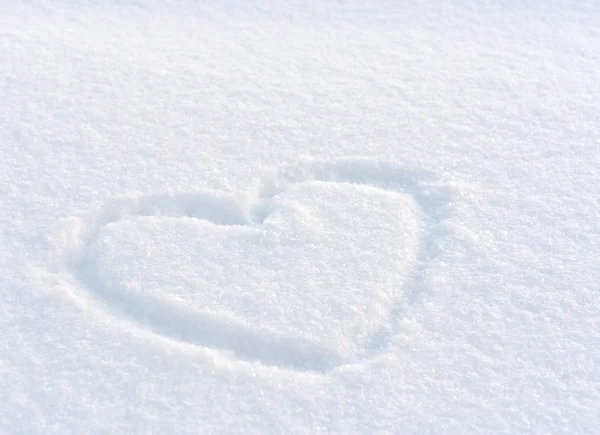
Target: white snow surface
<point>269,217</point>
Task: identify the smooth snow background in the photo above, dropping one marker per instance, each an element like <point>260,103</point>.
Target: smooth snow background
<point>498,102</point>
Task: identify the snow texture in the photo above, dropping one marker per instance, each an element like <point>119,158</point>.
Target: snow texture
<point>299,217</point>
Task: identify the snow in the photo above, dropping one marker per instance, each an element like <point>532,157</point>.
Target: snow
<point>295,217</point>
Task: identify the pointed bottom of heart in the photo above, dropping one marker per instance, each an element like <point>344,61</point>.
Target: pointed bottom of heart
<point>236,337</point>
<point>282,206</point>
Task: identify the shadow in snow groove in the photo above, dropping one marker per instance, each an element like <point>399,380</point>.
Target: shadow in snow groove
<point>216,330</point>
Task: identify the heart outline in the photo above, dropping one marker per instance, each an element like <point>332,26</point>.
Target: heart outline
<point>177,322</point>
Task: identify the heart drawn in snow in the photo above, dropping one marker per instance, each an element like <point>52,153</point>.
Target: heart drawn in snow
<point>308,273</point>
